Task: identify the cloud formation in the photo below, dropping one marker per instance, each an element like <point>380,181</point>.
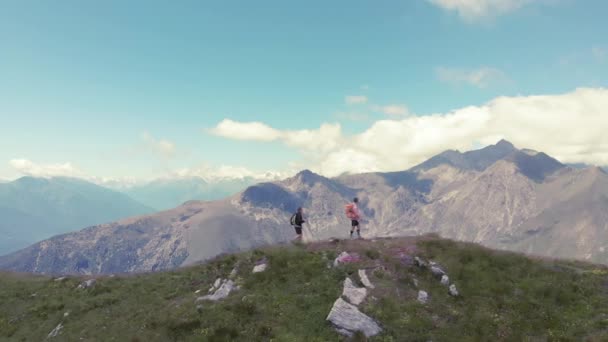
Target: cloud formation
<point>355,99</point>
<point>471,10</point>
<point>481,78</point>
<point>161,147</point>
<point>570,127</point>
<point>393,110</point>
<point>29,168</point>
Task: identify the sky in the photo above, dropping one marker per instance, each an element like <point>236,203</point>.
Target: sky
<point>126,91</point>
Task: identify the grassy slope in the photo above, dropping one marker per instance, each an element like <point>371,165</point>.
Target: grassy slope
<point>505,297</point>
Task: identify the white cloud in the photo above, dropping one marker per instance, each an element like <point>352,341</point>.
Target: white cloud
<point>29,168</point>
<point>161,147</point>
<point>394,110</point>
<point>482,77</point>
<point>326,137</point>
<point>475,9</point>
<point>570,127</point>
<point>245,131</point>
<point>355,99</point>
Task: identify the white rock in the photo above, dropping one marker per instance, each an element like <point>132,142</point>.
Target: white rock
<point>453,290</point>
<point>233,273</point>
<point>197,291</point>
<point>415,282</point>
<point>217,283</point>
<point>423,297</point>
<point>225,288</point>
<point>437,271</point>
<point>66,314</point>
<point>355,295</point>
<point>365,279</point>
<point>60,279</point>
<point>348,319</point>
<point>260,268</point>
<point>445,280</point>
<point>55,331</point>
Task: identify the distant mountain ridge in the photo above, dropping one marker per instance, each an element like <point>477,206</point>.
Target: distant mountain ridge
<point>163,194</point>
<point>33,209</point>
<point>498,196</point>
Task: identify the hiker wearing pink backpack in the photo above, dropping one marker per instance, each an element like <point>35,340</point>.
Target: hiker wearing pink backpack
<point>353,213</point>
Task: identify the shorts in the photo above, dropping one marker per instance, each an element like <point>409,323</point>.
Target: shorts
<point>298,230</point>
<point>355,223</point>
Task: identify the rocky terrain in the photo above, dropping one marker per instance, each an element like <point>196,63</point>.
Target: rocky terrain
<point>395,289</point>
<point>498,196</point>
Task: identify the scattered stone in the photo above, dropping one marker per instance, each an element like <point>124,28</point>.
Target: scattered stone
<point>233,273</point>
<point>348,319</point>
<point>217,283</point>
<point>197,291</point>
<point>87,284</point>
<point>34,295</point>
<point>453,291</point>
<point>344,258</point>
<point>55,331</point>
<point>437,271</point>
<point>66,314</point>
<point>419,262</point>
<point>60,279</point>
<point>445,280</point>
<point>415,281</point>
<point>423,297</point>
<point>354,294</point>
<point>260,268</point>
<point>365,279</point>
<point>222,292</point>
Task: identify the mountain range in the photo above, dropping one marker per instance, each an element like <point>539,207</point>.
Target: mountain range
<point>163,194</point>
<point>498,196</point>
<point>32,209</point>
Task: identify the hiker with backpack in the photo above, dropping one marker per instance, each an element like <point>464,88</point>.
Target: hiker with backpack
<point>297,221</point>
<point>353,213</point>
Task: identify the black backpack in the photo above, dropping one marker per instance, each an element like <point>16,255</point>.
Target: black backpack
<point>292,220</point>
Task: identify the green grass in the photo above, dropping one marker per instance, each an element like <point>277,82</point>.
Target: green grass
<point>505,297</point>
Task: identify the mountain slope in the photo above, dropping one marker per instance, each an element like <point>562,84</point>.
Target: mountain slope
<point>526,201</point>
<point>503,297</point>
<point>37,208</point>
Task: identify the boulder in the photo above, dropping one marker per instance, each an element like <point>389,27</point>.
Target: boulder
<point>365,279</point>
<point>423,297</point>
<point>445,280</point>
<point>348,319</point>
<point>355,295</point>
<point>437,271</point>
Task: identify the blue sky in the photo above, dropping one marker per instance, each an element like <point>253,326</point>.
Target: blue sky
<point>135,88</point>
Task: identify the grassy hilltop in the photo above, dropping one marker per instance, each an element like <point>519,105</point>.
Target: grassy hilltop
<point>503,297</point>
